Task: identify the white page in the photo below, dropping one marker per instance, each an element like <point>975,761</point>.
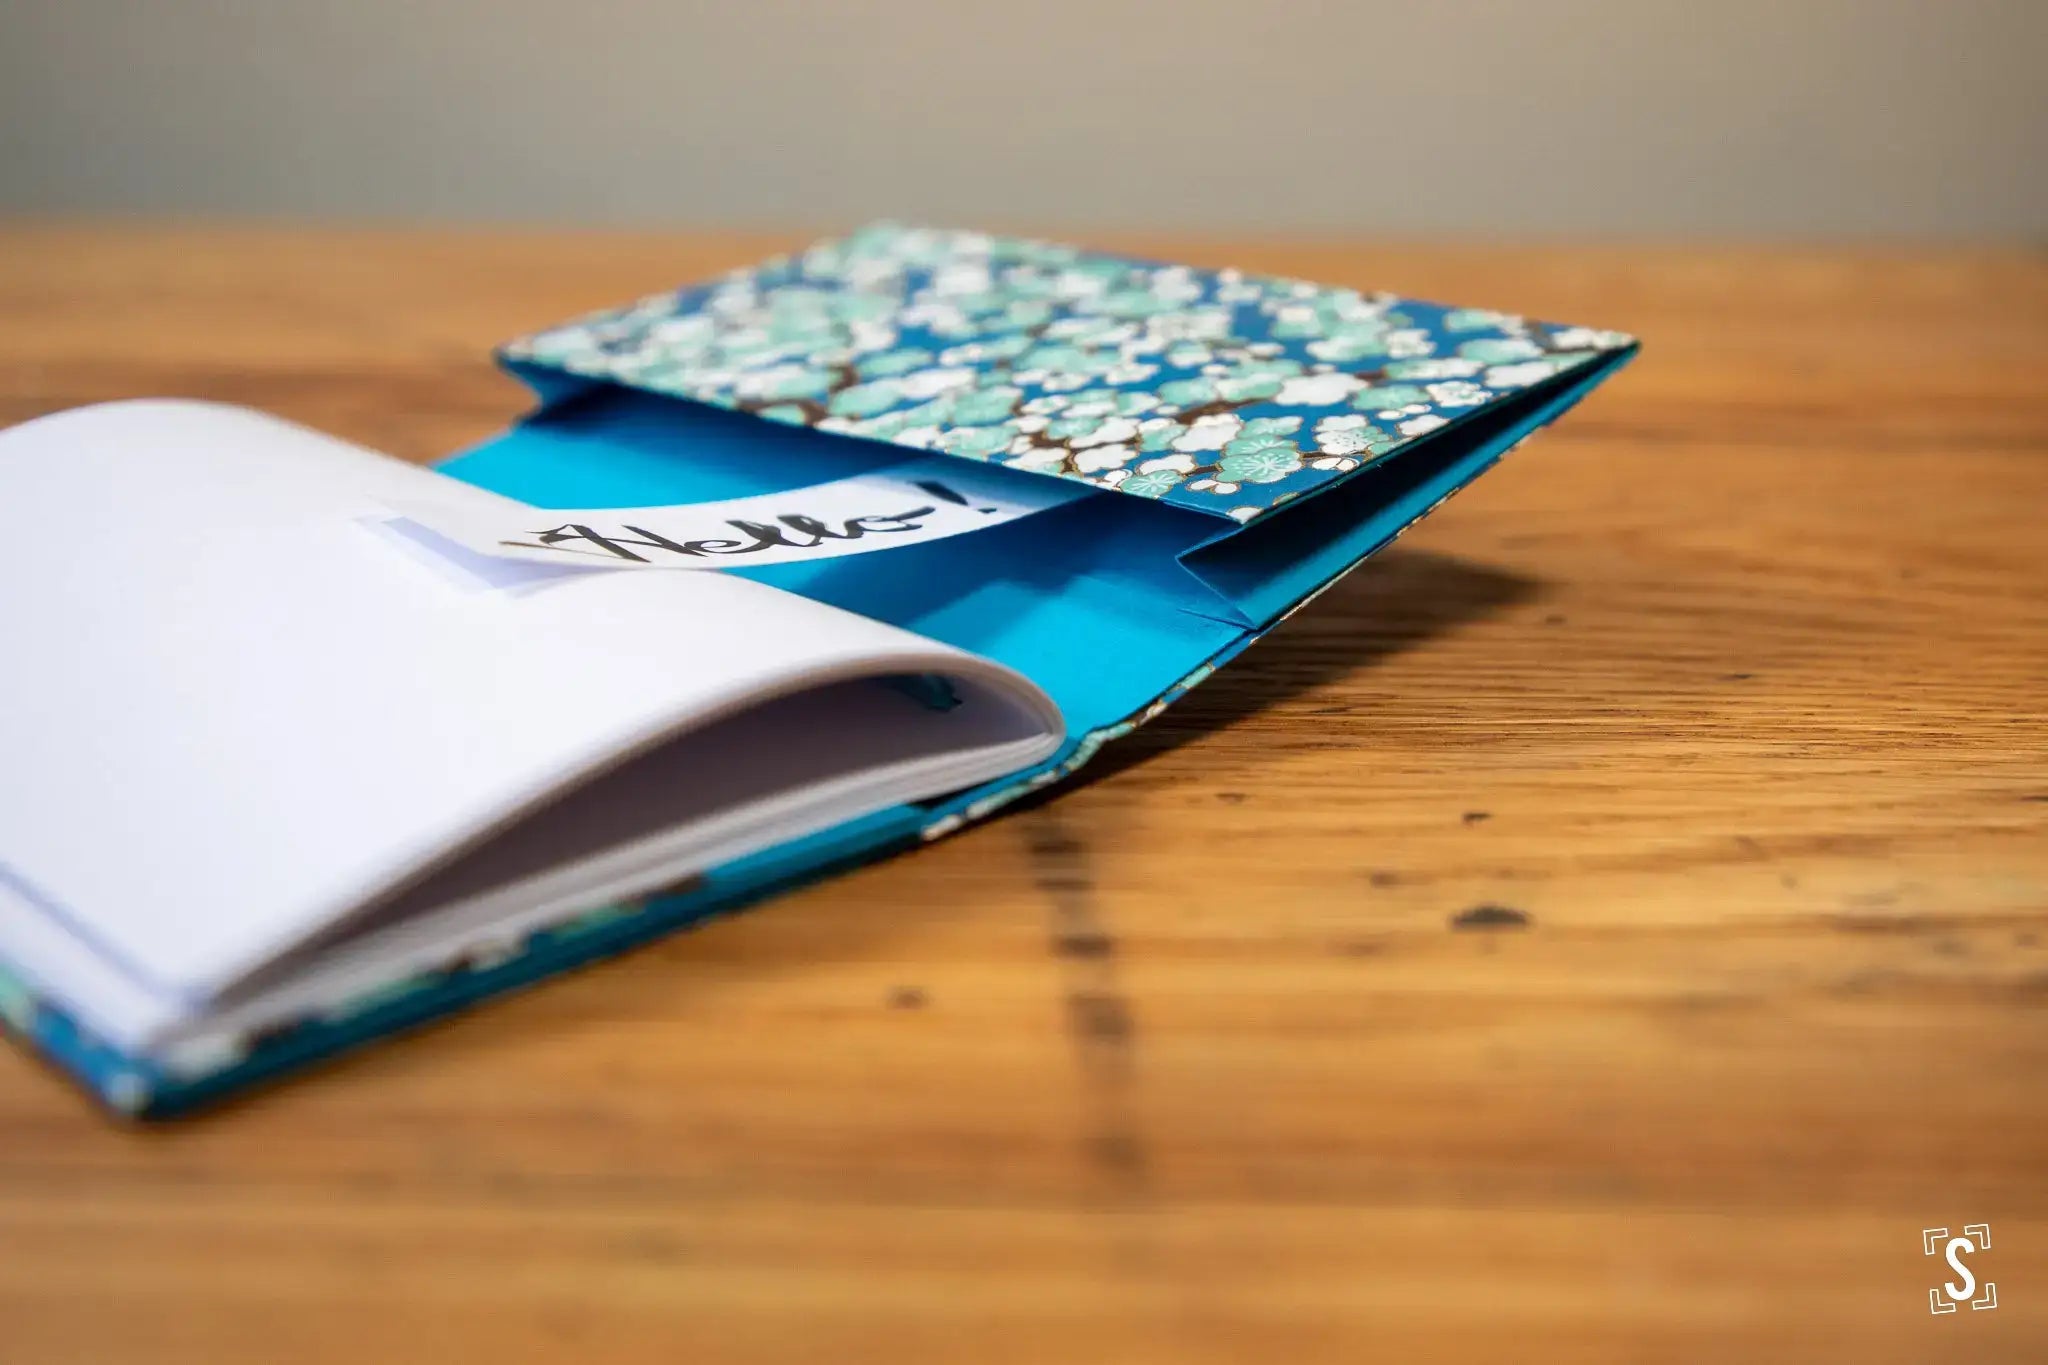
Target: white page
<point>650,823</point>
<point>231,710</point>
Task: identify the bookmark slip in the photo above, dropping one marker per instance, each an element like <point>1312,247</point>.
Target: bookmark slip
<point>907,504</point>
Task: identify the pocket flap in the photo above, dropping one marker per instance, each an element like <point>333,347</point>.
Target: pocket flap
<point>1216,390</point>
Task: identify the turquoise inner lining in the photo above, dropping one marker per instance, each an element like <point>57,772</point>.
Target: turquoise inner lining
<point>1086,599</point>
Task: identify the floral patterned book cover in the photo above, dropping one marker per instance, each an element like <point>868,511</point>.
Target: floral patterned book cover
<point>1249,439</point>
<point>1216,390</point>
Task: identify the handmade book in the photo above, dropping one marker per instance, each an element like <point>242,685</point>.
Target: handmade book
<point>783,572</point>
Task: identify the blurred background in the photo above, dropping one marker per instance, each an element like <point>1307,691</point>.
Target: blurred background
<point>1476,118</point>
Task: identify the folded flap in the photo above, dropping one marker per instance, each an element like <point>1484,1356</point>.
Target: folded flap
<point>1264,570</point>
<point>1219,391</point>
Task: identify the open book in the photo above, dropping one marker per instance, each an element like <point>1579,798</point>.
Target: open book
<point>787,571</point>
<point>264,753</point>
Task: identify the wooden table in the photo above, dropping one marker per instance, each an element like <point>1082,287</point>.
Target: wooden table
<point>1610,927</point>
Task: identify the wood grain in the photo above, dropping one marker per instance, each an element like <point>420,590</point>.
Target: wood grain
<point>1608,928</point>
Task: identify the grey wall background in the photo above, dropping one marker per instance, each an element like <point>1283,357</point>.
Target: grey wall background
<point>1475,117</point>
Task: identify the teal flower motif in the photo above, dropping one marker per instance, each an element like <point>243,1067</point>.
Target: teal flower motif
<point>1267,426</point>
<point>1097,267</point>
<point>1027,252</point>
<point>742,352</point>
<point>1353,342</point>
<point>1131,402</point>
<point>1191,393</point>
<point>978,443</point>
<point>1027,313</point>
<point>890,425</point>
<point>983,306</point>
<point>865,400</point>
<point>784,412</point>
<point>688,334</point>
<point>936,413</point>
<point>885,363</point>
<point>799,307</point>
<point>1054,358</point>
<point>1082,331</point>
<point>853,306</point>
<point>1259,379</point>
<point>1160,436</point>
<point>983,406</point>
<point>1388,396</point>
<point>1247,388</point>
<point>1457,393</point>
<point>887,427</point>
<point>1156,484</point>
<point>657,372</point>
<point>1006,347</point>
<point>1522,373</point>
<point>1067,428</point>
<point>1134,303</point>
<point>561,345</point>
<point>1301,320</point>
<point>790,337</point>
<point>1443,367</point>
<point>797,382</point>
<point>1258,459</point>
<point>1500,350</point>
<point>1110,402</point>
<point>1473,320</point>
<point>1350,434</point>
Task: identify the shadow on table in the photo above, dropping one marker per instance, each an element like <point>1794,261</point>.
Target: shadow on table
<point>1396,600</point>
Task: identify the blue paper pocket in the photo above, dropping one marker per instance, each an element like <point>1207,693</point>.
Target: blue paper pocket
<point>1260,435</point>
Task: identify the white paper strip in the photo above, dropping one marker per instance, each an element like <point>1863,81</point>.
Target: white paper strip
<point>904,505</point>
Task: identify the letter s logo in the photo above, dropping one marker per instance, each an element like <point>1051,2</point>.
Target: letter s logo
<point>1956,1247</point>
